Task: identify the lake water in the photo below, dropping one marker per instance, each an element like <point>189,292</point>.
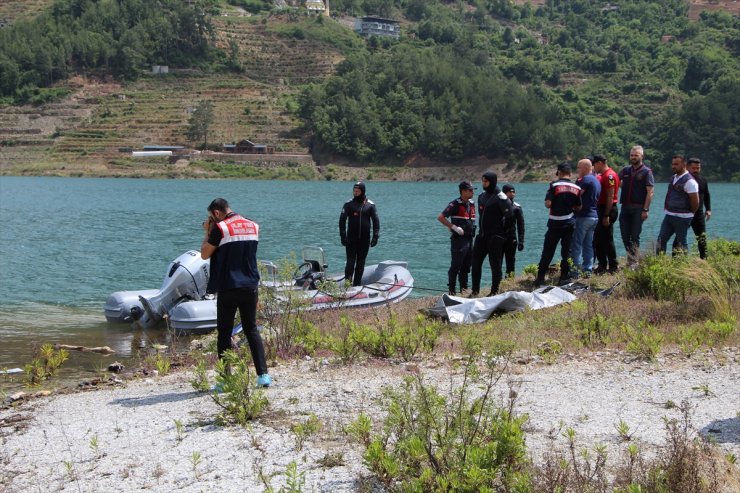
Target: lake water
<point>67,243</point>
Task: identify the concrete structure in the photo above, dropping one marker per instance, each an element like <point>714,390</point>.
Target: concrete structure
<point>248,147</point>
<point>377,26</point>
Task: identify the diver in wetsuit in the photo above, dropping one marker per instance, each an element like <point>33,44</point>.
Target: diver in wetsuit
<point>354,231</point>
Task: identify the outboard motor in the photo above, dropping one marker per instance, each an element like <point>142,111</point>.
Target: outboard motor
<point>186,279</point>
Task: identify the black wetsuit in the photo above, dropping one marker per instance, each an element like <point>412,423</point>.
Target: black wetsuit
<point>699,223</point>
<point>493,210</point>
<point>354,230</point>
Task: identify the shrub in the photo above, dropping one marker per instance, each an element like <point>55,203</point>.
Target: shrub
<point>674,278</point>
<point>280,308</point>
<point>344,345</point>
<point>658,277</point>
<point>241,400</point>
<point>392,338</point>
<point>45,365</point>
<point>644,341</point>
<point>593,331</point>
<point>433,442</point>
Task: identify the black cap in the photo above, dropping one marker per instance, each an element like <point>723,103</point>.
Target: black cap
<point>466,185</point>
<point>598,158</point>
<point>508,188</point>
<point>360,185</point>
<point>564,167</point>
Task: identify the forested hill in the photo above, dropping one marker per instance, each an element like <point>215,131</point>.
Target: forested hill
<point>519,81</point>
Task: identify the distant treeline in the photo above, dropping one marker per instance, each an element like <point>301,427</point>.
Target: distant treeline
<point>482,77</point>
<point>564,79</point>
<point>117,37</point>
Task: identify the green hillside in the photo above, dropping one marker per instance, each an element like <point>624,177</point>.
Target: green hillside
<point>527,83</point>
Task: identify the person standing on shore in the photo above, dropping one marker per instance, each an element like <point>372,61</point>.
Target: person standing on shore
<point>582,246</point>
<point>563,198</point>
<point>704,212</point>
<point>493,209</point>
<point>231,243</point>
<point>606,253</point>
<point>354,232</point>
<point>681,204</point>
<point>514,231</point>
<point>461,223</point>
<point>637,193</point>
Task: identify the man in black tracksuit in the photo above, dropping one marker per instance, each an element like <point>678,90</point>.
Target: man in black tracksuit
<point>354,231</point>
<point>461,223</point>
<point>493,210</point>
<point>704,213</point>
<point>563,198</point>
<point>514,231</point>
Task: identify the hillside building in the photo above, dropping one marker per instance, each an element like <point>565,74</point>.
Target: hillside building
<point>247,147</point>
<point>377,26</point>
<point>315,6</point>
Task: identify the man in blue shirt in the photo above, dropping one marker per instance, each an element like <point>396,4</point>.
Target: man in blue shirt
<point>586,219</point>
<point>563,199</point>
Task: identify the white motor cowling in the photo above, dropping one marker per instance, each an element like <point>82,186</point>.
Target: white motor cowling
<point>186,279</point>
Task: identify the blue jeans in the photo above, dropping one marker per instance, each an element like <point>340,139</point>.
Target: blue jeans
<point>583,241</point>
<point>674,225</point>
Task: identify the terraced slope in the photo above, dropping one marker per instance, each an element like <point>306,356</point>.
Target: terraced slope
<point>88,129</point>
<point>273,58</point>
<point>12,10</point>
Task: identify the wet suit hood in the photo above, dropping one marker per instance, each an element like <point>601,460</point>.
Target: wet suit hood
<point>492,179</point>
<point>361,186</point>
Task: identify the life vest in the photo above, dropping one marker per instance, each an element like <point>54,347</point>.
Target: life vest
<point>676,198</point>
<point>237,228</point>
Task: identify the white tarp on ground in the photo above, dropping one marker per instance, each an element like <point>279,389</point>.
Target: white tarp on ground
<point>471,311</point>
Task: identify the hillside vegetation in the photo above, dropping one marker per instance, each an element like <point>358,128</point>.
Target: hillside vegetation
<point>520,82</point>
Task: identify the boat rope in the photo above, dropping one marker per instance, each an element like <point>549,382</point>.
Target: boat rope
<point>435,290</point>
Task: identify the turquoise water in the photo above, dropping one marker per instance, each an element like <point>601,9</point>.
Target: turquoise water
<point>67,243</point>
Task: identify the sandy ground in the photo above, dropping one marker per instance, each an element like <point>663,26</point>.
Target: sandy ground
<point>126,439</point>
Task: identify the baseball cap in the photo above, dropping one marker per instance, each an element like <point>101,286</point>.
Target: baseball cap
<point>466,185</point>
<point>564,167</point>
<point>508,188</point>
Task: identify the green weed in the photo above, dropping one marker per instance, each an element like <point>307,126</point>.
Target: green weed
<point>549,351</point>
<point>200,375</point>
<point>45,364</point>
<point>303,430</point>
<point>360,429</point>
<point>241,400</point>
<point>392,338</point>
<point>593,331</point>
<point>644,342</point>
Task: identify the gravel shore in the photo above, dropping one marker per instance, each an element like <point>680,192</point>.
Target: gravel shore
<point>126,438</point>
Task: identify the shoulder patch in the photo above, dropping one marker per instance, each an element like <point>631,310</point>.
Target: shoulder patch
<point>502,195</point>
<point>370,202</point>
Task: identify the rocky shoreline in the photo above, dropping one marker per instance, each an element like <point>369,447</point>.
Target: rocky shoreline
<point>159,434</point>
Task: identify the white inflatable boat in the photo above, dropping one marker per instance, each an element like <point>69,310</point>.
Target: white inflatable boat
<point>183,302</point>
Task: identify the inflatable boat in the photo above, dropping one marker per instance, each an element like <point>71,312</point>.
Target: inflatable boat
<point>182,302</point>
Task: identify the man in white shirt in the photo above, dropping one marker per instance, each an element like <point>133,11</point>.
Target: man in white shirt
<point>681,202</point>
